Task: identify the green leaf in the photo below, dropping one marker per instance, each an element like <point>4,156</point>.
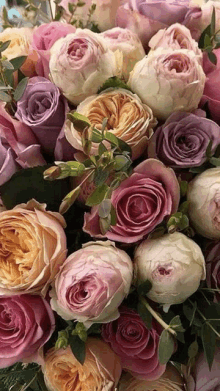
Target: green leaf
<point>5,97</point>
<point>105,208</point>
<point>104,124</point>
<point>213,22</point>
<point>79,121</point>
<point>190,314</point>
<point>76,168</point>
<point>4,45</point>
<point>144,314</point>
<point>212,57</point>
<point>98,195</point>
<point>209,149</point>
<point>197,170</point>
<point>122,162</point>
<point>7,64</point>
<point>157,232</point>
<point>100,176</point>
<point>183,208</point>
<point>96,136</point>
<point>176,324</point>
<point>208,341</point>
<point>113,216</point>
<point>183,223</point>
<point>144,288</point>
<point>20,89</point>
<point>215,161</point>
<point>9,77</point>
<point>183,188</point>
<point>207,40</point>
<point>78,348</point>
<point>202,37</point>
<point>111,138</point>
<point>105,224</point>
<point>113,82</point>
<point>17,62</point>
<point>102,149</point>
<point>166,347</point>
<point>193,349</point>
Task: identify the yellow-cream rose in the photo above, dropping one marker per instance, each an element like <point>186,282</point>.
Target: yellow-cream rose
<point>21,39</point>
<point>100,372</point>
<point>128,119</point>
<point>32,248</point>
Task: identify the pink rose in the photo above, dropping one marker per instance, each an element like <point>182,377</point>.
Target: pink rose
<point>198,19</point>
<point>27,323</point>
<point>18,146</point>
<point>43,39</point>
<point>92,283</point>
<point>136,345</point>
<point>141,202</point>
<point>212,257</point>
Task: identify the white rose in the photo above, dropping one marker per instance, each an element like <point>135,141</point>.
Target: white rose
<point>81,62</point>
<point>168,81</point>
<point>128,43</point>
<point>174,264</point>
<point>204,203</point>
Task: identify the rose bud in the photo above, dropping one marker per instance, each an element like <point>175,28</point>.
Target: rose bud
<point>173,263</point>
<point>81,62</point>
<point>204,203</point>
<point>92,283</point>
<point>168,81</point>
<point>128,43</point>
<point>100,371</point>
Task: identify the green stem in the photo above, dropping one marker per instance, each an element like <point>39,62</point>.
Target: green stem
<point>206,320</point>
<point>157,317</point>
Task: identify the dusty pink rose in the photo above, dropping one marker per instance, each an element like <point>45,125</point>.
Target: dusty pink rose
<point>18,146</point>
<point>43,39</point>
<point>92,283</point>
<point>141,202</point>
<point>136,345</point>
<point>198,19</point>
<point>26,324</point>
<point>212,257</point>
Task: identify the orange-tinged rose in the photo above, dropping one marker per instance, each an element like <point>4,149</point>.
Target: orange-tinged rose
<point>100,372</point>
<point>128,119</point>
<point>21,39</point>
<point>32,248</point>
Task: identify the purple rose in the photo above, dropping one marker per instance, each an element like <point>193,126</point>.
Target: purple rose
<point>26,323</point>
<point>43,39</point>
<point>182,141</point>
<point>43,108</point>
<point>212,257</point>
<point>18,146</point>
<point>141,202</point>
<point>146,17</point>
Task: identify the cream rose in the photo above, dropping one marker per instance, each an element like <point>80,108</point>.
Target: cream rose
<point>100,372</point>
<point>32,248</point>
<point>21,39</point>
<point>128,119</point>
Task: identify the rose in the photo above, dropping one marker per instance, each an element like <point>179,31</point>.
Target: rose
<point>203,378</point>
<point>197,21</point>
<point>103,15</point>
<point>27,323</point>
<point>20,45</point>
<point>80,63</point>
<point>175,37</point>
<point>42,107</point>
<point>128,119</point>
<point>168,81</point>
<point>204,203</point>
<point>169,381</point>
<point>129,44</point>
<point>146,17</point>
<point>18,146</point>
<point>35,244</point>
<point>136,345</point>
<point>212,257</point>
<point>92,283</point>
<point>174,264</point>
<point>141,202</point>
<point>183,140</point>
<point>43,39</point>
<point>100,371</point>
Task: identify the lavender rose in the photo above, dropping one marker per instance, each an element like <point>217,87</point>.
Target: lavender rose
<point>43,108</point>
<point>27,322</point>
<point>141,202</point>
<point>182,141</point>
<point>212,257</point>
<point>92,283</point>
<point>136,345</point>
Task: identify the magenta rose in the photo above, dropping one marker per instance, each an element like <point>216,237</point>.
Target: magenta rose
<point>43,39</point>
<point>146,17</point>
<point>136,345</point>
<point>26,324</point>
<point>212,257</point>
<point>19,147</point>
<point>182,140</point>
<point>141,202</point>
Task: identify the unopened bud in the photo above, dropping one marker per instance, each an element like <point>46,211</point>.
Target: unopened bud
<point>52,173</point>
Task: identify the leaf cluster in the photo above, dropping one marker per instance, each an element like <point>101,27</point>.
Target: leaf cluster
<point>210,39</point>
<point>21,377</point>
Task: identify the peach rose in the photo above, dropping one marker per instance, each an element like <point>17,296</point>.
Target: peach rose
<point>32,248</point>
<point>21,39</point>
<point>128,119</point>
<point>100,372</point>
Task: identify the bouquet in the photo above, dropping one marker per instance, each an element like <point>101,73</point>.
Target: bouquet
<point>110,196</point>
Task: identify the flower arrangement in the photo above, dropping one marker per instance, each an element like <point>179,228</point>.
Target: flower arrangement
<point>110,196</point>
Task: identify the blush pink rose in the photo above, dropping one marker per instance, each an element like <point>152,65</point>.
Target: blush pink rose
<point>198,19</point>
<point>141,202</point>
<point>26,323</point>
<point>19,147</point>
<point>136,345</point>
<point>43,39</point>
